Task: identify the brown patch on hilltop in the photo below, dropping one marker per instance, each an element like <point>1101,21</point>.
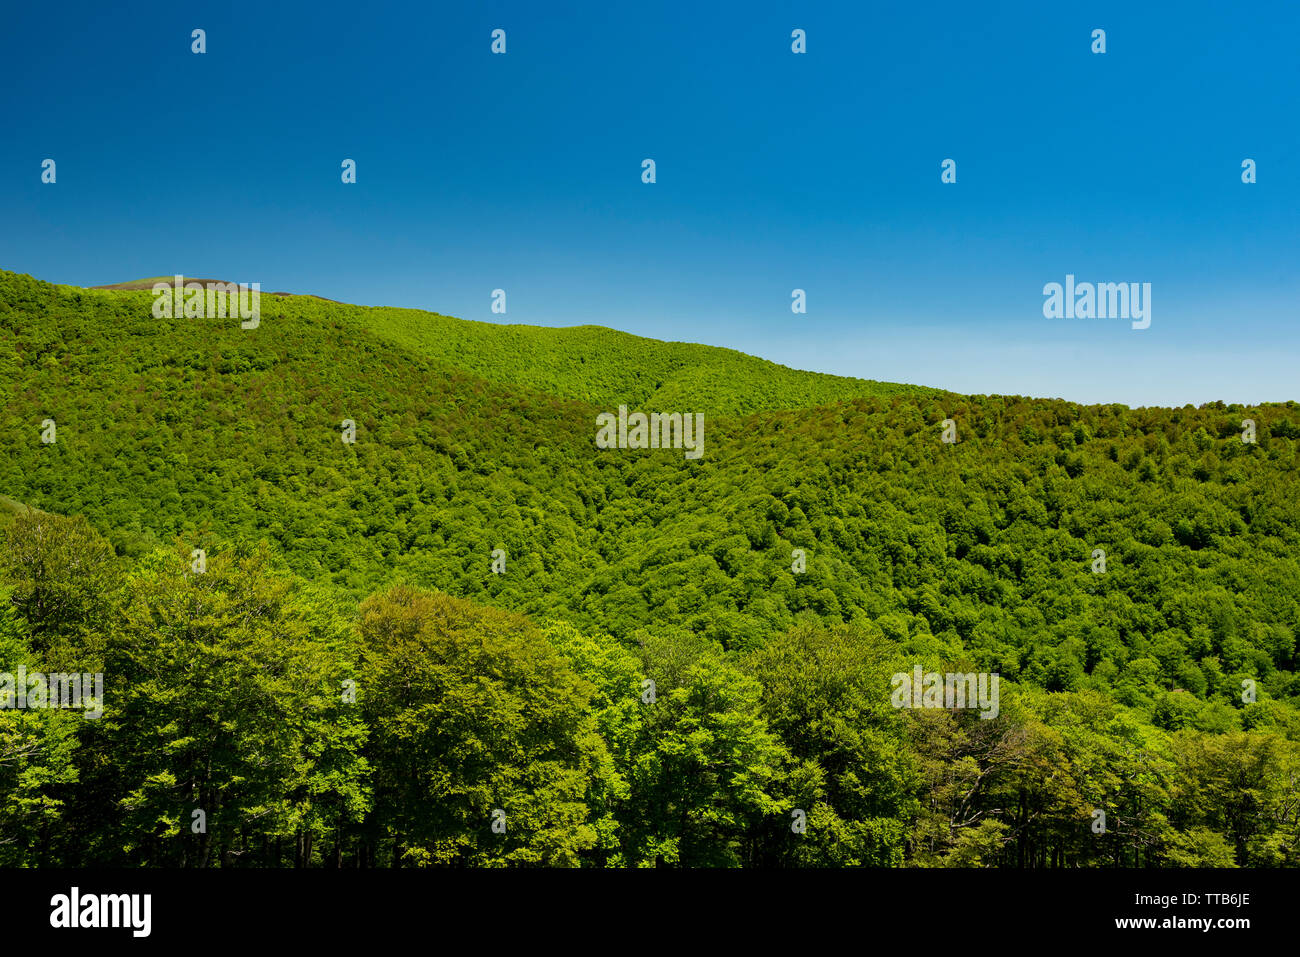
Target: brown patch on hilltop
<point>136,284</point>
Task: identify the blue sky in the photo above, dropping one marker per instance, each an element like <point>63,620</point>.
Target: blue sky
<point>775,171</point>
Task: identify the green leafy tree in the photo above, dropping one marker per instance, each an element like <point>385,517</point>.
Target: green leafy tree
<point>483,745</point>
<point>226,697</point>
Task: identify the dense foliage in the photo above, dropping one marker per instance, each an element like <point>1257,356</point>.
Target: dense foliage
<point>651,680</point>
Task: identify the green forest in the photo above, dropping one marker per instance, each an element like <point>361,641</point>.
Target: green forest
<point>473,638</point>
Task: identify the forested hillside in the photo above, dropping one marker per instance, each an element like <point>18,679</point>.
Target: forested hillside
<point>680,656</point>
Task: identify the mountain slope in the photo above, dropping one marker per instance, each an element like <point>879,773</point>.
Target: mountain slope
<point>592,363</point>
<point>199,429</point>
<point>606,367</point>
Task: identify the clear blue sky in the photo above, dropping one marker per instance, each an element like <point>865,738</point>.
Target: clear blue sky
<point>775,171</point>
